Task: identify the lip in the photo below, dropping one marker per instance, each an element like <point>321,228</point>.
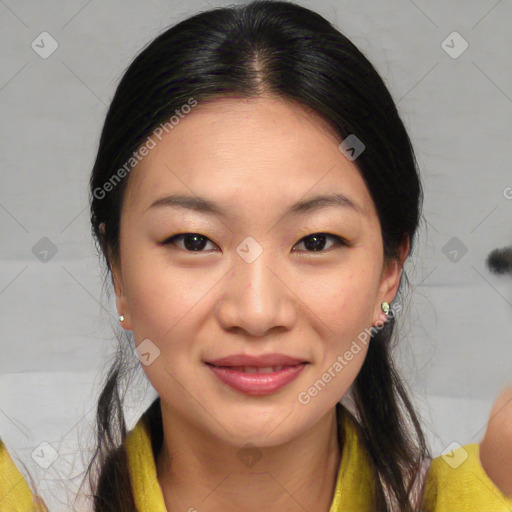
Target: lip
<point>257,383</point>
<point>262,361</point>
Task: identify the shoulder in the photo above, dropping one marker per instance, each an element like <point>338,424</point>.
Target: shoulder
<point>15,494</point>
<point>458,481</point>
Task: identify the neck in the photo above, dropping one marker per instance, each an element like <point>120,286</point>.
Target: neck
<point>203,473</point>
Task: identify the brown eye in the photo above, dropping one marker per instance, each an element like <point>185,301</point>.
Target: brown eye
<point>192,242</point>
<point>316,241</point>
<point>195,242</point>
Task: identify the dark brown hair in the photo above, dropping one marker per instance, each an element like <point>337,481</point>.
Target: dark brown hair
<point>288,51</point>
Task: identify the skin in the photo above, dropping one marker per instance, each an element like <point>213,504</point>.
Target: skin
<point>255,158</point>
<point>496,446</point>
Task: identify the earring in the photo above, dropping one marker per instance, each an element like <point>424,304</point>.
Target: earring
<point>121,318</point>
<point>385,307</point>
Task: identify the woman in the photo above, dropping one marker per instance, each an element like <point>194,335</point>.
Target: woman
<point>255,195</point>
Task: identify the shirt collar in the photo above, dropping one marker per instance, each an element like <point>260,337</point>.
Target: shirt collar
<point>354,483</point>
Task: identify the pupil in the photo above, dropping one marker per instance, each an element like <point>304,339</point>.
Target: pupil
<point>198,242</point>
<point>317,244</point>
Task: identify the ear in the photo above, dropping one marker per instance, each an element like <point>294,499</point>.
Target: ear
<point>390,280</point>
<point>117,280</point>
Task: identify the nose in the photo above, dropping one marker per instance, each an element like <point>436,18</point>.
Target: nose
<point>257,297</point>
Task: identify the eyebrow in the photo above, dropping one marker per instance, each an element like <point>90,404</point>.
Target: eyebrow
<point>203,205</point>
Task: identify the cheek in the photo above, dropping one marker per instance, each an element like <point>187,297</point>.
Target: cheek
<point>348,300</point>
<point>158,298</point>
<point>160,307</point>
<point>347,312</point>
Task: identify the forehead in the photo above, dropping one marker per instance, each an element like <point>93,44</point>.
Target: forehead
<point>259,149</point>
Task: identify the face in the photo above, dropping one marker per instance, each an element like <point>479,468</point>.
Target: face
<point>254,277</point>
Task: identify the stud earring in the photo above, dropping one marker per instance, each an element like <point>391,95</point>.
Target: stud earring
<point>121,318</point>
<point>385,307</point>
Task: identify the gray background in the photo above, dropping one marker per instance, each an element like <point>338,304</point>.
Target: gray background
<point>57,326</point>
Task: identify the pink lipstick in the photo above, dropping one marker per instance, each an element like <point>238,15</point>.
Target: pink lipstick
<point>257,375</point>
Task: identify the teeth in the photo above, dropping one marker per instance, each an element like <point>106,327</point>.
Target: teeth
<point>254,369</point>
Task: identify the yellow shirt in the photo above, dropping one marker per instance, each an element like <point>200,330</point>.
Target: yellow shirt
<point>456,482</point>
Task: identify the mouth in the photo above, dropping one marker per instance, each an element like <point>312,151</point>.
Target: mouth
<point>266,362</point>
<point>257,380</point>
<point>257,369</point>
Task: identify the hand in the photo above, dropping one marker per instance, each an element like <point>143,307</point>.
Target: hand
<point>496,446</point>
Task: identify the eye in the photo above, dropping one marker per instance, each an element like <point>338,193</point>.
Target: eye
<point>316,241</point>
<point>193,242</point>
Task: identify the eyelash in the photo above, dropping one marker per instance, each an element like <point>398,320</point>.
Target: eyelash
<point>341,242</point>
